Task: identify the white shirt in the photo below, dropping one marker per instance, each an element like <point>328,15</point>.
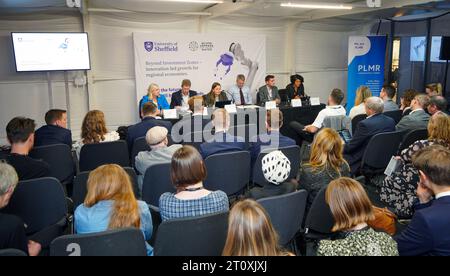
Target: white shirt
<point>269,91</point>
<point>185,101</point>
<point>357,110</point>
<point>442,194</point>
<point>335,110</point>
<point>415,111</point>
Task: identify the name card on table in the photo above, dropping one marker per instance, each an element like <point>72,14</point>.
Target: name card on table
<point>271,105</point>
<point>170,114</point>
<point>231,108</point>
<point>315,101</point>
<point>296,103</point>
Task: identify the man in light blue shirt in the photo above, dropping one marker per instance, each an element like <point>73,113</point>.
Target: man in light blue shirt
<point>241,92</point>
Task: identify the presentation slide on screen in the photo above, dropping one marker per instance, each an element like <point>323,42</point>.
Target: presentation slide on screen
<point>51,51</point>
<point>419,46</point>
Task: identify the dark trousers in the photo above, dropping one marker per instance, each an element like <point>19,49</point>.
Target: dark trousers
<point>302,135</point>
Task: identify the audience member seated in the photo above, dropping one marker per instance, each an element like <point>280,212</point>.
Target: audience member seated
<point>110,204</point>
<point>159,152</point>
<point>417,118</point>
<point>268,92</point>
<point>387,94</point>
<point>222,140</point>
<point>433,89</point>
<point>93,130</point>
<point>273,139</point>
<point>191,198</point>
<point>250,232</point>
<point>55,132</point>
<point>427,234</point>
<point>399,189</point>
<point>375,123</point>
<point>215,95</point>
<point>437,103</point>
<point>20,133</point>
<point>12,230</point>
<point>352,209</point>
<point>296,89</point>
<point>154,96</point>
<point>276,168</point>
<point>406,99</point>
<point>326,163</point>
<point>149,119</point>
<point>180,98</point>
<point>198,121</point>
<point>241,92</point>
<point>334,108</point>
<point>362,94</point>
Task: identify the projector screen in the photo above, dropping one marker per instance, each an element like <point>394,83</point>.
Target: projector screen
<point>51,51</point>
<point>418,48</point>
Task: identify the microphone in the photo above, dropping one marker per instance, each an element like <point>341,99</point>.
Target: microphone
<point>232,97</point>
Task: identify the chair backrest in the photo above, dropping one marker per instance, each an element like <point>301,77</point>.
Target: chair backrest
<point>228,172</point>
<point>291,152</point>
<point>319,220</point>
<point>12,253</point>
<point>412,137</point>
<point>244,131</point>
<point>119,242</point>
<point>140,144</point>
<point>380,149</point>
<point>356,120</point>
<point>59,157</point>
<point>80,186</point>
<point>286,213</point>
<point>156,182</point>
<point>335,122</point>
<point>395,114</point>
<point>95,155</point>
<point>40,203</point>
<point>196,236</point>
<point>283,95</point>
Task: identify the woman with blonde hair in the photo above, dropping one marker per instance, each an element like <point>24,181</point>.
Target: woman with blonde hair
<point>250,232</point>
<point>399,189</point>
<point>325,164</point>
<point>351,210</point>
<point>362,94</point>
<point>93,130</point>
<point>434,89</point>
<point>111,204</point>
<point>215,95</point>
<point>154,96</point>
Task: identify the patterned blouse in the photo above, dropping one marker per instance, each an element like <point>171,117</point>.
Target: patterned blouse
<point>172,207</point>
<point>365,242</point>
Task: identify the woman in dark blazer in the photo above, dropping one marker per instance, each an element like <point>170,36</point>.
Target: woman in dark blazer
<point>215,95</point>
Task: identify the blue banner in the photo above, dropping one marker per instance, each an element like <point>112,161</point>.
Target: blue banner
<point>366,58</point>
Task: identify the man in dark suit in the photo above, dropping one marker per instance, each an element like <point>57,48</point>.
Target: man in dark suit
<point>375,123</point>
<point>55,132</point>
<point>418,118</point>
<point>268,92</point>
<point>428,232</point>
<point>222,140</point>
<point>181,97</point>
<point>149,120</point>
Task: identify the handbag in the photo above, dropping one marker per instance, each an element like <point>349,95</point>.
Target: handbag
<point>384,220</point>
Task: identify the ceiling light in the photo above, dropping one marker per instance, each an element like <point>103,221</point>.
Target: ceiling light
<point>198,1</point>
<point>317,6</point>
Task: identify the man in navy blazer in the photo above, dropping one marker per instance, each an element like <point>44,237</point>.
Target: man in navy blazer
<point>375,123</point>
<point>222,141</point>
<point>429,230</point>
<point>149,120</point>
<point>181,97</point>
<point>55,132</point>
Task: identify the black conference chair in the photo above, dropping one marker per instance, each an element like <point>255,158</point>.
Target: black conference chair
<point>195,236</point>
<point>95,155</point>
<point>121,242</point>
<point>396,115</point>
<point>412,137</point>
<point>292,153</point>
<point>156,182</point>
<point>287,224</point>
<point>41,204</point>
<point>228,172</point>
<point>140,144</point>
<point>356,120</point>
<point>284,97</point>
<point>80,186</point>
<point>12,253</point>
<point>59,157</point>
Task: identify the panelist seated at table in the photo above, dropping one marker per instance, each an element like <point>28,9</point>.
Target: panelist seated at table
<point>154,96</point>
<point>296,90</point>
<point>215,95</point>
<point>268,92</point>
<point>241,92</point>
<point>180,99</point>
